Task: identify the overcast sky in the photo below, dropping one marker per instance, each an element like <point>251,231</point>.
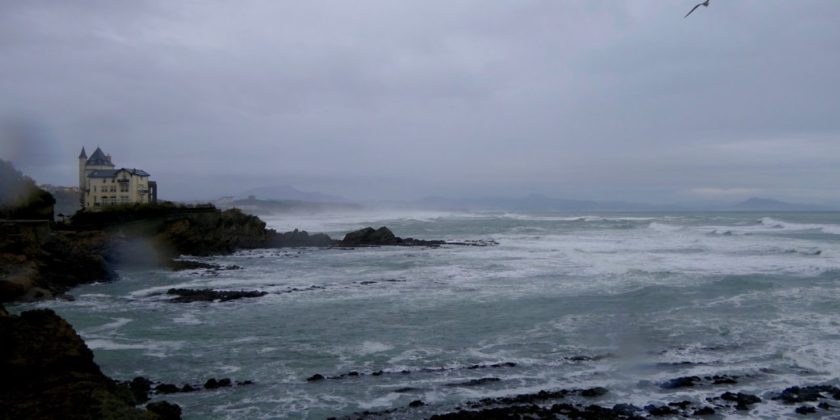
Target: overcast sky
<point>585,99</point>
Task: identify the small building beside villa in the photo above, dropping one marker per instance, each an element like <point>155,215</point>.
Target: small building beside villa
<point>102,184</point>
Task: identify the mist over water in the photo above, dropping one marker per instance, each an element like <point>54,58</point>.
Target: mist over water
<point>574,300</point>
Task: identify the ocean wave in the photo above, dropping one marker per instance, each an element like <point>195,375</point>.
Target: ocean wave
<point>770,222</point>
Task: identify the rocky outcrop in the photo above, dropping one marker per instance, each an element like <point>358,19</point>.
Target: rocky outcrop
<point>49,372</point>
<point>209,295</point>
<point>382,237</point>
<point>37,262</point>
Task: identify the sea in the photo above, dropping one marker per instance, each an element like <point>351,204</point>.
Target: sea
<point>621,301</point>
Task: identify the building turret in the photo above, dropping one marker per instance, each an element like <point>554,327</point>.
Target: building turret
<point>82,162</point>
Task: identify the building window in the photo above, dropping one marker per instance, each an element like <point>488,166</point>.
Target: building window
<point>124,187</point>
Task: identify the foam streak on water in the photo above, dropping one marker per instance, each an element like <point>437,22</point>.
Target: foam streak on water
<point>753,295</point>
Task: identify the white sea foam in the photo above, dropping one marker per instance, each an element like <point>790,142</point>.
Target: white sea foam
<point>833,229</point>
<point>187,318</point>
<point>109,327</point>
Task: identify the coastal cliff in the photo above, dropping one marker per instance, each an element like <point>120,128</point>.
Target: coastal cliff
<point>49,372</point>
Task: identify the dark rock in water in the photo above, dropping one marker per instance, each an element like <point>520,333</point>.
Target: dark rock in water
<point>742,401</point>
<point>810,393</point>
<point>208,295</point>
<point>824,406</point>
<point>300,238</point>
<point>722,379</point>
<point>805,409</point>
<point>140,387</point>
<point>705,411</point>
<point>248,382</point>
<point>211,384</point>
<point>404,390</point>
<point>532,411</point>
<point>625,409</point>
<point>165,410</point>
<point>377,373</point>
<point>683,382</point>
<point>475,382</point>
<point>188,388</point>
<point>681,404</point>
<point>585,358</point>
<point>416,403</point>
<point>180,265</point>
<point>49,372</point>
<point>382,237</point>
<point>353,373</point>
<point>370,236</point>
<point>315,377</point>
<point>593,392</point>
<point>660,410</point>
<point>167,389</point>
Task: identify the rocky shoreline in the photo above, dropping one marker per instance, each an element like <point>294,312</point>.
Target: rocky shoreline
<point>41,260</point>
<point>49,372</point>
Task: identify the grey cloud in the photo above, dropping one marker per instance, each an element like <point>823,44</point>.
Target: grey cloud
<point>382,99</point>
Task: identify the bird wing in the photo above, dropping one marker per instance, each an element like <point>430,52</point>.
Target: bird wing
<point>692,10</point>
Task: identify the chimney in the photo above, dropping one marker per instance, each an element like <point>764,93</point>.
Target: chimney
<point>109,158</point>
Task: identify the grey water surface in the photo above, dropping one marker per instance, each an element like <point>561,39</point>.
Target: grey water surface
<point>620,301</point>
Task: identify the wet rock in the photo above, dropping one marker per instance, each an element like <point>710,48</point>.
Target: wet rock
<point>824,406</point>
<point>805,409</point>
<point>722,379</point>
<point>165,410</point>
<point>586,358</point>
<point>300,238</point>
<point>212,383</point>
<point>181,265</point>
<point>248,382</point>
<point>663,410</point>
<point>625,409</point>
<point>683,382</point>
<point>681,404</point>
<point>381,237</point>
<point>167,389</point>
<point>316,377</point>
<point>811,393</point>
<point>593,392</point>
<point>416,403</point>
<point>209,295</point>
<point>188,388</point>
<point>705,411</point>
<point>370,236</point>
<point>49,372</point>
<point>140,387</point>
<point>475,382</point>
<point>742,401</point>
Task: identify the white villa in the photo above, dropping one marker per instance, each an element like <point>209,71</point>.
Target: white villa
<point>103,185</point>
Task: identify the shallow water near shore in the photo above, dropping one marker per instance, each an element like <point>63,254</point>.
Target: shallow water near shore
<point>626,302</point>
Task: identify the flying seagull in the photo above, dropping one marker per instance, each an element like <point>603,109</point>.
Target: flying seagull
<point>704,4</point>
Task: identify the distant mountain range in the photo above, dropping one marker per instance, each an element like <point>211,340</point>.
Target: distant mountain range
<point>288,192</point>
<point>769,204</point>
<point>538,202</point>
